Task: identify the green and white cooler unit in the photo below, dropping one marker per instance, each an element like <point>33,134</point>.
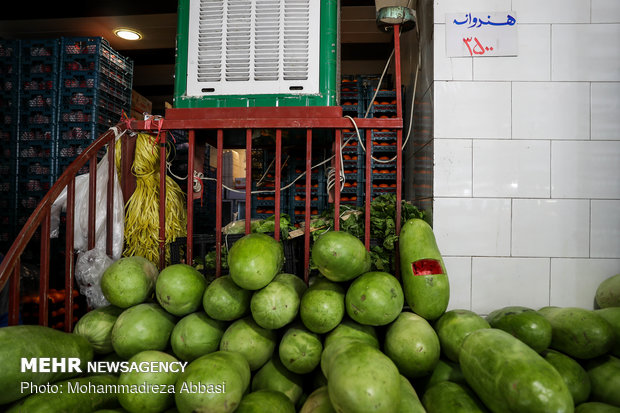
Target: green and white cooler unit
<point>243,53</point>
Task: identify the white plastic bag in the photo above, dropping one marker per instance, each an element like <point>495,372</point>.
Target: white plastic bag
<point>89,269</point>
<point>80,233</point>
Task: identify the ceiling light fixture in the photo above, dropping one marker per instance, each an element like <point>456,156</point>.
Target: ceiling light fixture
<point>128,34</point>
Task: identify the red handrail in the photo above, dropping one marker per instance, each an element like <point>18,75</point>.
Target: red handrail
<point>10,266</point>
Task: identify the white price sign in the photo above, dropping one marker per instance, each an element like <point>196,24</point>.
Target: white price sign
<point>480,34</point>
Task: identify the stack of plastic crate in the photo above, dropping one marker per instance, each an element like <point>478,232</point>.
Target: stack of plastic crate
<point>263,198</point>
<point>382,104</point>
<point>9,96</point>
<point>353,168</point>
<point>318,196</point>
<point>353,103</point>
<point>96,86</point>
<point>352,96</point>
<point>38,126</point>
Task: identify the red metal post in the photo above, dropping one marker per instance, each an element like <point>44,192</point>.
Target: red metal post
<point>218,203</point>
<point>110,197</point>
<point>248,180</point>
<point>308,199</point>
<point>399,132</point>
<point>190,198</point>
<point>44,268</point>
<point>337,150</point>
<point>69,255</point>
<point>162,201</point>
<point>128,179</point>
<point>278,166</point>
<point>14,294</point>
<point>92,200</point>
<point>367,189</point>
<point>399,143</point>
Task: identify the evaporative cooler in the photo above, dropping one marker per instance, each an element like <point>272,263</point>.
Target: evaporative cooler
<point>242,53</point>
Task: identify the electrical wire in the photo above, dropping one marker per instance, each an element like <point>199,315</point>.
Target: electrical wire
<point>331,170</point>
<point>415,86</point>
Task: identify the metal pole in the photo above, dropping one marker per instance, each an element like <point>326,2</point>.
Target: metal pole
<point>162,201</point>
<point>92,200</point>
<point>278,165</point>
<point>190,198</point>
<point>218,203</point>
<point>308,199</point>
<point>44,268</point>
<point>14,294</point>
<point>110,199</point>
<point>368,190</point>
<point>337,150</point>
<point>248,180</point>
<point>69,256</point>
<point>399,143</point>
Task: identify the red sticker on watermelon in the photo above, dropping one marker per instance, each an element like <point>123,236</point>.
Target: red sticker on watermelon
<point>426,266</point>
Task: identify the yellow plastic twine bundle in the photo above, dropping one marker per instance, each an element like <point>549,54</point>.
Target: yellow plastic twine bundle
<point>142,208</point>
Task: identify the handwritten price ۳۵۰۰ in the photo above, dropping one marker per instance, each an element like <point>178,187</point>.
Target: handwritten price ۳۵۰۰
<point>478,48</point>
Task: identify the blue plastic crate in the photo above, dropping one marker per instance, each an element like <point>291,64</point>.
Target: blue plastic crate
<point>35,150</point>
<point>391,176</point>
<point>9,71</point>
<point>376,191</point>
<point>80,115</point>
<point>48,48</point>
<point>111,105</point>
<point>383,165</point>
<point>38,116</point>
<point>383,135</point>
<point>35,168</point>
<point>61,165</point>
<point>35,186</point>
<point>72,149</point>
<point>380,110</point>
<point>39,100</point>
<point>93,84</point>
<point>76,99</point>
<point>43,134</point>
<point>353,110</point>
<point>83,131</point>
<point>95,54</point>
<point>256,201</point>
<point>389,148</point>
<point>9,48</point>
<point>384,94</point>
<point>8,115</point>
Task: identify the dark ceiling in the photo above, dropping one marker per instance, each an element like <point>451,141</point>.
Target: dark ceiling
<point>154,55</point>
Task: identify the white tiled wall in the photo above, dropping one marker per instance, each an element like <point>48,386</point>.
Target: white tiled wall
<point>526,183</point>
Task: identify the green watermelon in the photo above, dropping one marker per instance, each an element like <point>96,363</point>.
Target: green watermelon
<point>225,301</point>
<point>374,298</point>
<point>255,343</point>
<point>254,260</point>
<point>195,335</point>
<point>340,256</point>
<point>179,289</point>
<point>96,326</point>
<point>525,324</point>
<point>142,327</point>
<point>129,281</point>
<point>412,344</point>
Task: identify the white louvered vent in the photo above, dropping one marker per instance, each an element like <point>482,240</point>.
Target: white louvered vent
<point>243,47</point>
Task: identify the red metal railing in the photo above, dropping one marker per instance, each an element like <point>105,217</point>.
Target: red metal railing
<point>192,120</point>
<point>41,219</point>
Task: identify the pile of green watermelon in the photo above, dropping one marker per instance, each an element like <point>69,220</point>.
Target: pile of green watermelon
<point>352,341</point>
